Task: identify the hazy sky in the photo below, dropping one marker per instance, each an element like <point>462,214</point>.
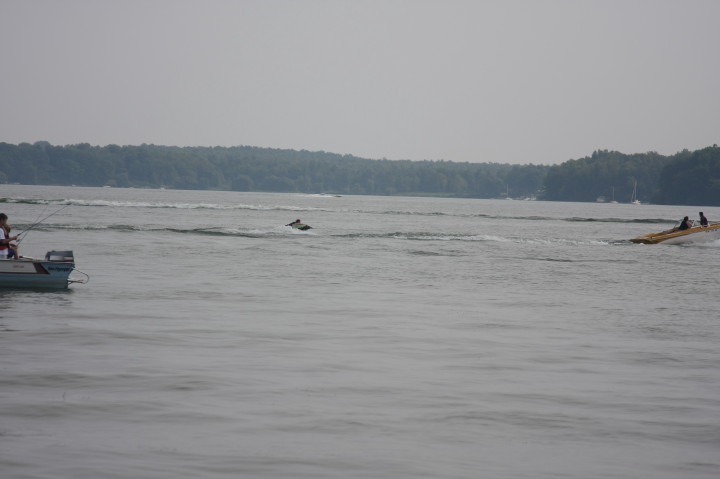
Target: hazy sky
<point>508,81</point>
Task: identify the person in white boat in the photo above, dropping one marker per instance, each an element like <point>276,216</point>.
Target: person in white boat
<point>6,248</point>
<point>703,220</point>
<point>13,251</point>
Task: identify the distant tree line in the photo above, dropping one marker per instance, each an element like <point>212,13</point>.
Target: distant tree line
<point>245,168</point>
<point>609,175</point>
<point>684,178</point>
<point>690,178</point>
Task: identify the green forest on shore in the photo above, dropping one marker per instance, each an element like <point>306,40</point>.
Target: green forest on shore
<point>686,178</point>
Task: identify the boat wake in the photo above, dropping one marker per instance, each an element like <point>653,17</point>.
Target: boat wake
<point>284,231</point>
<point>709,245</point>
<point>435,236</point>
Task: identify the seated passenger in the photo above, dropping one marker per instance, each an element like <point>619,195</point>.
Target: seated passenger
<point>703,220</point>
<point>684,224</point>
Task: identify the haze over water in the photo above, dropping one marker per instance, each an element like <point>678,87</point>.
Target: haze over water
<point>399,338</point>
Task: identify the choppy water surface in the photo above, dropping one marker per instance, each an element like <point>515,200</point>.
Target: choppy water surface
<point>399,338</point>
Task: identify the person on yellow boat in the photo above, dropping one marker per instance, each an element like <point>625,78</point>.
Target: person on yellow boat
<point>703,220</point>
<point>684,224</point>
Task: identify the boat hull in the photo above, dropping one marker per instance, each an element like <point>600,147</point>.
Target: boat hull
<point>696,234</point>
<point>34,273</point>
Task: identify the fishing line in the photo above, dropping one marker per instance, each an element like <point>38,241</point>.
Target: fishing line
<point>24,232</point>
<point>42,212</point>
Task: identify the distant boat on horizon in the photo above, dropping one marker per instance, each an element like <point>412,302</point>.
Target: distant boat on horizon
<point>613,195</point>
<point>633,197</point>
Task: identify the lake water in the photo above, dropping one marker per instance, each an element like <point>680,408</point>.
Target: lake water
<point>399,338</point>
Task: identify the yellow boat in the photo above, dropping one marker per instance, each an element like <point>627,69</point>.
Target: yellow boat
<point>696,234</point>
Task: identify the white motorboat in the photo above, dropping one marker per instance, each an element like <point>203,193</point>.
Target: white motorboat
<point>52,272</point>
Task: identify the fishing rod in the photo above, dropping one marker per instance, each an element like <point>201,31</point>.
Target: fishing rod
<point>24,232</point>
<point>42,212</point>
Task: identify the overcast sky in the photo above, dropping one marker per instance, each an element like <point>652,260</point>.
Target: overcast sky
<point>507,81</point>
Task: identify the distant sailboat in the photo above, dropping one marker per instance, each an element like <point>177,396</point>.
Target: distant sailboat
<point>613,195</point>
<point>633,197</point>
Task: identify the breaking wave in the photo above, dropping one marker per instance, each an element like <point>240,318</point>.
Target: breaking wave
<point>169,205</point>
<point>295,208</point>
